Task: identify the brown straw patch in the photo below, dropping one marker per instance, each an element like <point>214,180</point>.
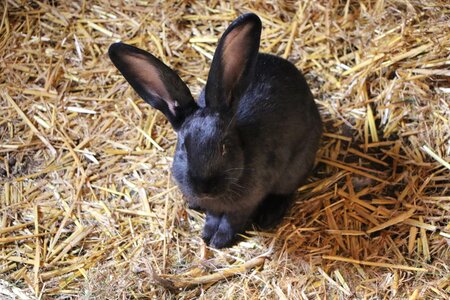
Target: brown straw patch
<point>87,205</point>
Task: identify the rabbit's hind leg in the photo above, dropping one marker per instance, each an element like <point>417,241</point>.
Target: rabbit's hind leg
<point>272,210</point>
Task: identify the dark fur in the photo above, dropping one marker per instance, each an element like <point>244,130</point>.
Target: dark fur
<point>250,140</point>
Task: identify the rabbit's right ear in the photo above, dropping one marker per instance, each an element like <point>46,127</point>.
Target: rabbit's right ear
<point>155,82</point>
<point>234,63</point>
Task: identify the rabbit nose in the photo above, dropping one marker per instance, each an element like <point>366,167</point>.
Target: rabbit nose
<point>206,186</point>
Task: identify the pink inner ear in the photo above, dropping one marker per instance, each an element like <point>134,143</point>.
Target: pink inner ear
<point>148,76</point>
<point>234,56</point>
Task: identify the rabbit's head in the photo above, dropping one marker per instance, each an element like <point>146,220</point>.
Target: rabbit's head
<point>209,158</point>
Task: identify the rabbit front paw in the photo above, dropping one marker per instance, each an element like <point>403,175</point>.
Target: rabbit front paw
<point>221,231</point>
<point>224,235</point>
<point>212,223</point>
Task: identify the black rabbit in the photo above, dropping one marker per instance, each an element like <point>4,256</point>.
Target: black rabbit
<point>248,142</point>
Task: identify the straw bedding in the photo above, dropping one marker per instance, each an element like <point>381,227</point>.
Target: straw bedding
<point>88,208</point>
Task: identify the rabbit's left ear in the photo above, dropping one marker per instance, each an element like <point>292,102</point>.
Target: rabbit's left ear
<point>155,82</point>
<point>234,62</point>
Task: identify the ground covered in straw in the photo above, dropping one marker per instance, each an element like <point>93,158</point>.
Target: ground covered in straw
<point>88,208</point>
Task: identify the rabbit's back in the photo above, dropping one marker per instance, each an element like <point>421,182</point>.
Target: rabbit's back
<point>278,104</point>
